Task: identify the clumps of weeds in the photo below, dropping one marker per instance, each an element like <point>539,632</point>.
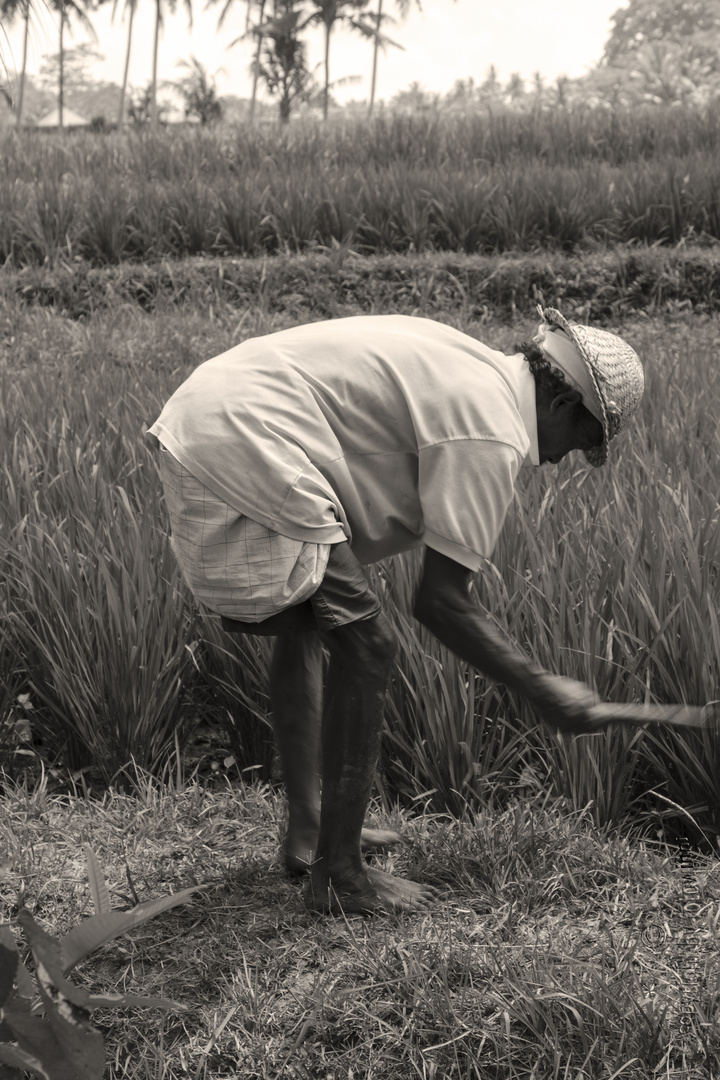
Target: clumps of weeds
<point>45,1025</point>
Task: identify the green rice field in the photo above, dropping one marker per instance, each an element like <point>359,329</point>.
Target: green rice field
<point>576,934</point>
<point>483,183</point>
<point>608,576</point>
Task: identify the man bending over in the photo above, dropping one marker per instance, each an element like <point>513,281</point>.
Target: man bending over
<point>294,459</point>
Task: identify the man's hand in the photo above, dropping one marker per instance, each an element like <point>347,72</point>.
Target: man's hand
<point>565,704</point>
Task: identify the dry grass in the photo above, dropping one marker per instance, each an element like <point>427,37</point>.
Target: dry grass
<point>554,951</point>
<point>601,284</point>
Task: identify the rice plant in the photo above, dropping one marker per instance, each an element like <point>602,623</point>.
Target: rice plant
<point>236,671</point>
<point>490,182</point>
<point>608,576</point>
<point>95,626</point>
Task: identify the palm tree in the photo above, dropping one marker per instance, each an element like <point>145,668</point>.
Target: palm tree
<point>250,28</point>
<point>282,65</point>
<point>403,7</point>
<point>515,89</point>
<point>66,8</point>
<point>130,7</point>
<point>330,12</point>
<point>199,92</point>
<point>256,65</point>
<point>10,9</point>
<point>490,88</point>
<point>538,89</point>
<point>172,7</point>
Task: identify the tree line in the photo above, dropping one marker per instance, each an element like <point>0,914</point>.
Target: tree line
<point>280,60</point>
<point>658,52</point>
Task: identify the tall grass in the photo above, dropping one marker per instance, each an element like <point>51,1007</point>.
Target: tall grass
<point>610,576</point>
<point>489,182</point>
<point>95,619</point>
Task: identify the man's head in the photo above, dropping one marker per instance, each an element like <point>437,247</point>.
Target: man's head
<point>563,422</point>
<point>588,384</point>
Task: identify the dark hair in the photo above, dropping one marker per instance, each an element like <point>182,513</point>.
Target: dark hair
<point>546,375</point>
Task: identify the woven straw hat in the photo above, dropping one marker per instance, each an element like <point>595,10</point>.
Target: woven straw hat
<point>616,374</point>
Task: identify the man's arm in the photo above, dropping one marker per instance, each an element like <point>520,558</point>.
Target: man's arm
<point>444,606</point>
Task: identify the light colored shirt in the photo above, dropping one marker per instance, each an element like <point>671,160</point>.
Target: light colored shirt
<point>388,431</point>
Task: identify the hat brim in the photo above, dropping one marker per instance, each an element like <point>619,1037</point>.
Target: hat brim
<point>598,455</point>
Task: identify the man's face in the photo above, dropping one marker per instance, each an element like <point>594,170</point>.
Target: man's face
<point>563,427</point>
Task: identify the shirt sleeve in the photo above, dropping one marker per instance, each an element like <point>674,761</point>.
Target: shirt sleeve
<point>466,487</point>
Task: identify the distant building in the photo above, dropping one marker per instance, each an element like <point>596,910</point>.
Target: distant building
<point>70,118</point>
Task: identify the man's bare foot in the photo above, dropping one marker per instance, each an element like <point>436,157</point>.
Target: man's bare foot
<point>299,852</point>
<point>369,891</point>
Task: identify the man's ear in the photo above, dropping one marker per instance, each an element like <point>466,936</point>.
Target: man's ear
<point>567,397</point>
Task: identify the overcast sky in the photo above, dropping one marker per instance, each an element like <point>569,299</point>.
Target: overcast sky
<point>445,41</point>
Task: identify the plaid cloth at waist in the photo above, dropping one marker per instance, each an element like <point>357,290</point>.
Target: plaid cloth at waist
<point>233,565</point>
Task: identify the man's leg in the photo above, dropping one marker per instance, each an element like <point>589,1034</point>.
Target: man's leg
<point>296,695</point>
<point>361,657</point>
